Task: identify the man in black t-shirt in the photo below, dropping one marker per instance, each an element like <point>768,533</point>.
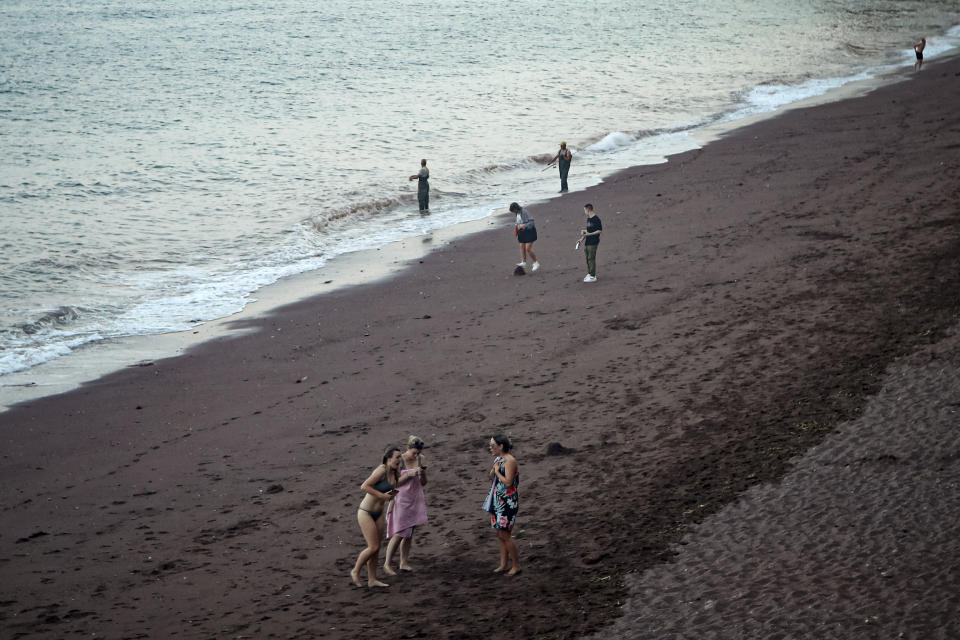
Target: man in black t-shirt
<point>590,236</point>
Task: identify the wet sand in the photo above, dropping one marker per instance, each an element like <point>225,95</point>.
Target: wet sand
<point>754,404</point>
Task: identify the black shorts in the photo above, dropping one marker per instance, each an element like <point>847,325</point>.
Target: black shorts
<point>527,235</point>
<point>919,55</point>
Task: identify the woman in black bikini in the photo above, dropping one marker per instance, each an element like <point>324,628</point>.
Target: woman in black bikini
<point>380,488</point>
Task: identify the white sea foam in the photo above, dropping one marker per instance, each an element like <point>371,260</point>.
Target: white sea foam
<point>23,355</point>
<point>612,141</point>
<point>940,45</point>
<point>767,98</point>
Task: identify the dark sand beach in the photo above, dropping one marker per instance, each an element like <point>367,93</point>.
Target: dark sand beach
<point>756,405</point>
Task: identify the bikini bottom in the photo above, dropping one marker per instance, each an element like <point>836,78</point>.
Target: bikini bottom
<point>373,514</point>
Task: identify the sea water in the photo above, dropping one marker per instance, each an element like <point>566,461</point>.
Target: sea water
<point>161,161</point>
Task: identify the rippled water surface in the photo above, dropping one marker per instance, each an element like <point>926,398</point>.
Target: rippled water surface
<point>161,161</point>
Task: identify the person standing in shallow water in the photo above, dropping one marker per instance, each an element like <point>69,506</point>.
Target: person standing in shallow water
<point>526,235</point>
<point>590,236</point>
<point>563,158</point>
<point>380,488</point>
<point>409,509</point>
<point>503,502</point>
<point>918,49</point>
<point>423,185</point>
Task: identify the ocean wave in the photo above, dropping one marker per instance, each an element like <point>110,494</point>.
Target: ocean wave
<point>481,174</point>
<point>770,96</point>
<point>52,335</point>
<point>14,359</point>
<point>41,270</point>
<point>948,43</point>
<point>321,222</point>
<point>856,50</point>
<point>57,318</point>
<point>612,141</point>
<point>616,141</point>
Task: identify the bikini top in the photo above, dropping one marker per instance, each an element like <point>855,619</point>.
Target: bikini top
<point>383,485</point>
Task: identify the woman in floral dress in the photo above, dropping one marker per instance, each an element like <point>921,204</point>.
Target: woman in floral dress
<point>504,502</point>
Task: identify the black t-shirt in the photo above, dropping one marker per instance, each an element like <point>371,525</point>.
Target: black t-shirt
<point>593,224</point>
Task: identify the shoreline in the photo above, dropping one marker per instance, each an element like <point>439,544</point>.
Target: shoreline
<point>93,361</point>
<point>752,296</point>
<point>357,268</point>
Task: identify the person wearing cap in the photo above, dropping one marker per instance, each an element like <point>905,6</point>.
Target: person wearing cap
<point>423,186</point>
<point>562,159</point>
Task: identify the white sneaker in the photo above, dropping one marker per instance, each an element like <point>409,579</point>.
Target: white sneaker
<point>536,265</point>
<point>522,264</point>
<point>589,278</point>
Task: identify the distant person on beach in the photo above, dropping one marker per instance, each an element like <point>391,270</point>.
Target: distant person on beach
<point>590,237</point>
<point>526,233</point>
<point>409,509</point>
<point>918,49</point>
<point>562,159</point>
<point>380,488</point>
<point>423,186</point>
<point>503,502</point>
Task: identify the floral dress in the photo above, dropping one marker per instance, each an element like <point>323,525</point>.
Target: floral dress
<point>505,500</point>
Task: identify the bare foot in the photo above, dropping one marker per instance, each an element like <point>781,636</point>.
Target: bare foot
<point>355,577</point>
<point>390,572</point>
<point>499,569</point>
<point>406,567</point>
<point>377,583</point>
<point>513,571</point>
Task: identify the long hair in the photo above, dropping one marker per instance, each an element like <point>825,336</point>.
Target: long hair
<point>386,456</point>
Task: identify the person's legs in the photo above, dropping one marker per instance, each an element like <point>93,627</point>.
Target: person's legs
<point>405,544</point>
<point>523,253</point>
<point>424,200</point>
<point>388,560</point>
<point>503,553</point>
<point>564,171</point>
<point>372,535</point>
<point>591,252</point>
<point>529,251</point>
<point>375,556</point>
<point>514,557</point>
<point>509,548</point>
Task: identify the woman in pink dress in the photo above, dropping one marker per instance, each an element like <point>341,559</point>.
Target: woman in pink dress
<point>409,508</point>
